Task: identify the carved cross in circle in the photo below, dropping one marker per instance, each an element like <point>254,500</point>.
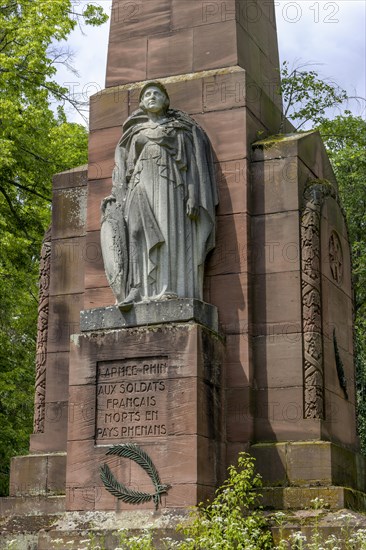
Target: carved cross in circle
<point>335,257</point>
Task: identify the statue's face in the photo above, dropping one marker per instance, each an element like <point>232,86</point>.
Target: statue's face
<point>153,100</point>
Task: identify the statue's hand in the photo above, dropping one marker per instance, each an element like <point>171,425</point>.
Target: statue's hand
<point>105,202</point>
<point>192,209</point>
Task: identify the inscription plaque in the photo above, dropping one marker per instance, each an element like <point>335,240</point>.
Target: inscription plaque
<point>132,398</point>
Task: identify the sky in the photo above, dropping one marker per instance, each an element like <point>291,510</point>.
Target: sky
<point>331,35</point>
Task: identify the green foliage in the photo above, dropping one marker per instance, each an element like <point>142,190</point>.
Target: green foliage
<point>35,143</point>
<point>229,521</point>
<point>94,15</point>
<point>136,542</point>
<point>306,96</point>
<point>348,538</point>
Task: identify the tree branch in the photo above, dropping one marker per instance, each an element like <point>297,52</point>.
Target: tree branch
<point>29,190</point>
<point>14,212</point>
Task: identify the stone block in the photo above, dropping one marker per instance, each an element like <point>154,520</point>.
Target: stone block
<point>214,46</point>
<point>276,243</point>
<point>340,421</point>
<point>57,387</point>
<point>85,349</point>
<point>248,54</point>
<point>138,19</point>
<point>232,180</point>
<point>307,146</point>
<point>278,360</point>
<point>77,498</point>
<point>239,413</point>
<point>37,475</point>
<point>332,213</point>
<point>183,18</point>
<point>224,91</point>
<point>275,185</point>
<point>28,476</point>
<point>77,177</point>
<point>230,254</point>
<point>282,313</point>
<point>67,266</point>
<point>337,310</point>
<point>49,508</point>
<point>56,417</point>
<point>95,276</point>
<point>270,110</point>
<point>108,108</point>
<point>306,464</point>
<point>150,313</point>
<point>102,144</point>
<point>98,297</point>
<point>225,130</point>
<point>69,212</point>
<point>309,464</point>
<point>271,463</point>
<point>186,95</point>
<point>238,360</point>
<point>56,474</point>
<point>279,416</point>
<point>64,320</point>
<point>331,376</point>
<point>135,50</point>
<point>82,413</point>
<point>170,54</point>
<point>97,191</point>
<point>229,293</point>
<point>83,462</point>
<point>333,232</point>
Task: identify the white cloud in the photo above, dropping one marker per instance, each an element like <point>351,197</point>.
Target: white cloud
<point>332,34</point>
<point>329,33</point>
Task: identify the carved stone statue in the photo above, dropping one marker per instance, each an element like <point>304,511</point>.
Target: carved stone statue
<point>158,225</point>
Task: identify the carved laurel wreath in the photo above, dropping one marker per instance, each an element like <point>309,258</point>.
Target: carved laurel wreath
<point>135,453</point>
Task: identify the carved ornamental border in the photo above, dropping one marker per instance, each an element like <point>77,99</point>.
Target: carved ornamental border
<point>314,196</point>
<point>42,334</point>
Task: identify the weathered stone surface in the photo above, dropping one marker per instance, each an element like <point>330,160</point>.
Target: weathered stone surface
<point>158,223</point>
<point>38,475</point>
<point>76,177</point>
<point>308,464</point>
<point>69,212</point>
<point>159,387</point>
<point>150,313</point>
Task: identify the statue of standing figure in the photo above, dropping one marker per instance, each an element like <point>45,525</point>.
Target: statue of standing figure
<point>158,224</point>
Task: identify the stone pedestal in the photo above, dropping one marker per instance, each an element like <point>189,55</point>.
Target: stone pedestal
<point>157,385</point>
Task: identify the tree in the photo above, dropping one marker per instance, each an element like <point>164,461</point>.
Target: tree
<point>306,96</point>
<point>35,143</point>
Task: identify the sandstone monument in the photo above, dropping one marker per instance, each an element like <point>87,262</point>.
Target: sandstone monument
<point>145,365</point>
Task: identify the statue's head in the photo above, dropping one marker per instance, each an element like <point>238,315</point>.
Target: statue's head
<point>154,98</point>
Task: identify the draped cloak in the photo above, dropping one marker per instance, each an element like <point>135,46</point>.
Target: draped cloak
<point>158,248</point>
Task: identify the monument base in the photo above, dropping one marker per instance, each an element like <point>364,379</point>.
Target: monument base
<point>295,473</point>
<point>82,530</point>
<point>38,475</point>
<point>156,387</point>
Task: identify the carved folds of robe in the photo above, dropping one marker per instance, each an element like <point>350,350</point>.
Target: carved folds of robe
<point>149,242</point>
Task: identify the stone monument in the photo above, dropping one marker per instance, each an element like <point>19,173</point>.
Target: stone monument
<point>158,224</point>
<point>152,376</point>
